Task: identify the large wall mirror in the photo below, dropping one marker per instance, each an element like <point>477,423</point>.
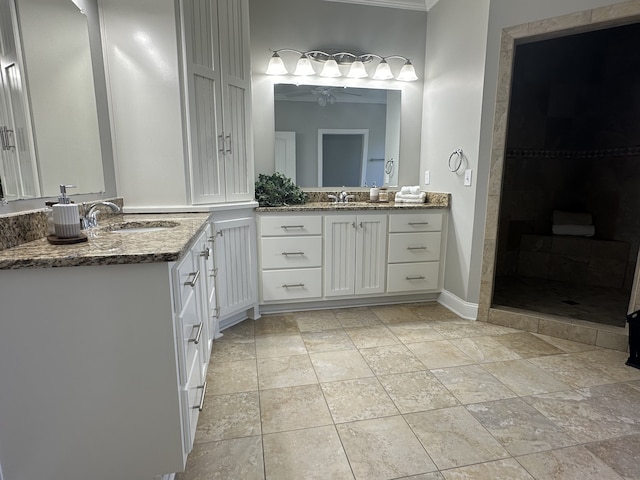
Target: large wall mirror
<point>48,108</point>
<point>334,136</point>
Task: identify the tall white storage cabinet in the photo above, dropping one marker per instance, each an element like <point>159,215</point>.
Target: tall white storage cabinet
<point>218,95</point>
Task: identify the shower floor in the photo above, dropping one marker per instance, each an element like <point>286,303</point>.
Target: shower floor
<point>601,305</point>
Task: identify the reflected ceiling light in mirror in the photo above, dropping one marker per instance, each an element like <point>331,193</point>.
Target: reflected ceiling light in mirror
<point>333,61</point>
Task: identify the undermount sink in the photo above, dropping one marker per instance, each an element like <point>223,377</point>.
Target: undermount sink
<point>141,226</point>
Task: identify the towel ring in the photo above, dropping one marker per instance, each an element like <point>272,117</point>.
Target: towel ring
<point>388,167</point>
<point>459,158</point>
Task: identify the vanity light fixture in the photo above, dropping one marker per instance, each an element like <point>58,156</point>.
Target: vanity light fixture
<point>333,61</point>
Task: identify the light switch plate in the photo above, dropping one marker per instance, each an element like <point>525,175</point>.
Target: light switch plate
<point>427,177</point>
<point>467,178</point>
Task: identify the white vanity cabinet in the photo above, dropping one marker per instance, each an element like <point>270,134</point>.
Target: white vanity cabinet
<point>355,248</point>
<point>218,95</point>
<point>415,245</point>
<point>291,257</point>
<point>102,368</point>
<point>349,257</point>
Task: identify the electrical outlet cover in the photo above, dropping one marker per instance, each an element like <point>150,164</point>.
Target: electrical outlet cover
<point>427,177</point>
<point>467,178</point>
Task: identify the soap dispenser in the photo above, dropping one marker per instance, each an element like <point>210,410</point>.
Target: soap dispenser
<point>66,217</point>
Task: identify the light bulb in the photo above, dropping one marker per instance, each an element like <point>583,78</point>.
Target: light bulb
<point>407,73</point>
<point>304,67</point>
<point>330,69</point>
<point>276,65</point>
<point>383,71</point>
<point>357,70</point>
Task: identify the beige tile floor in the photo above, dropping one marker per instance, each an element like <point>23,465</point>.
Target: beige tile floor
<point>412,391</point>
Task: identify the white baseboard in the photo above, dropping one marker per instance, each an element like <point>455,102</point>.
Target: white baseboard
<point>458,306</point>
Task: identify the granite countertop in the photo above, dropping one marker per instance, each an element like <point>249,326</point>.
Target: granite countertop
<point>434,200</point>
<point>108,248</point>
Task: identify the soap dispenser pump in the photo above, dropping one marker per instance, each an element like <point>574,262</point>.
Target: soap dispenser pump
<point>66,217</point>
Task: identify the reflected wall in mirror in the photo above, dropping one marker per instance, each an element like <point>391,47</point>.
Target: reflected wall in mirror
<point>48,100</point>
<point>302,112</point>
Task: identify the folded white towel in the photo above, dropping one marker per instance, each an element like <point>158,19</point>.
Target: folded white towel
<point>575,230</point>
<point>414,190</point>
<point>409,200</point>
<point>411,196</point>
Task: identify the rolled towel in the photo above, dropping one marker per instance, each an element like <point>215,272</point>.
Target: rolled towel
<point>409,201</point>
<point>575,230</point>
<point>413,190</point>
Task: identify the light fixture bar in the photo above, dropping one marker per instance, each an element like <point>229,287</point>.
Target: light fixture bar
<point>331,63</point>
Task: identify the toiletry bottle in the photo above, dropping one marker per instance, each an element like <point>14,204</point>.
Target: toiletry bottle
<point>51,228</point>
<point>374,193</point>
<point>383,196</point>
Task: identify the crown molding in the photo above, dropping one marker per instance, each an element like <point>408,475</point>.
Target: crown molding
<point>420,5</point>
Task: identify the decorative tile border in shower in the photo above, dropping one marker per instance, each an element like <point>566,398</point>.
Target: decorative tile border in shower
<point>598,153</point>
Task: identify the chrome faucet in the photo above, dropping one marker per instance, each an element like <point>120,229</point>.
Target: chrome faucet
<point>342,197</point>
<point>90,217</point>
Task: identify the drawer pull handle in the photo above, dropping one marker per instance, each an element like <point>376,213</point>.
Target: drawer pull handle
<point>200,406</point>
<point>416,277</point>
<point>292,253</point>
<point>418,223</point>
<point>194,280</point>
<point>300,285</point>
<point>291,226</point>
<point>417,248</point>
<point>196,339</point>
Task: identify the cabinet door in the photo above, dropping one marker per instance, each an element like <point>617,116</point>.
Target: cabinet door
<point>235,259</point>
<point>18,163</point>
<point>339,247</point>
<point>204,91</point>
<point>370,254</point>
<point>233,18</point>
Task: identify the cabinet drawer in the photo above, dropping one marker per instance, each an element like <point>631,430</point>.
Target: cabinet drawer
<point>285,225</point>
<point>291,284</point>
<point>186,276</point>
<point>414,247</point>
<point>415,222</point>
<point>412,277</point>
<point>291,252</point>
<point>192,397</point>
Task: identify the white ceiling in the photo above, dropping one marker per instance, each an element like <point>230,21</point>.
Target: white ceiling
<point>423,5</point>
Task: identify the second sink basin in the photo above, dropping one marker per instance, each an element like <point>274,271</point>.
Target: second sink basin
<point>141,226</point>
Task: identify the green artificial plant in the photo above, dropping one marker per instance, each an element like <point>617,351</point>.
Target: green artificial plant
<point>278,190</point>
